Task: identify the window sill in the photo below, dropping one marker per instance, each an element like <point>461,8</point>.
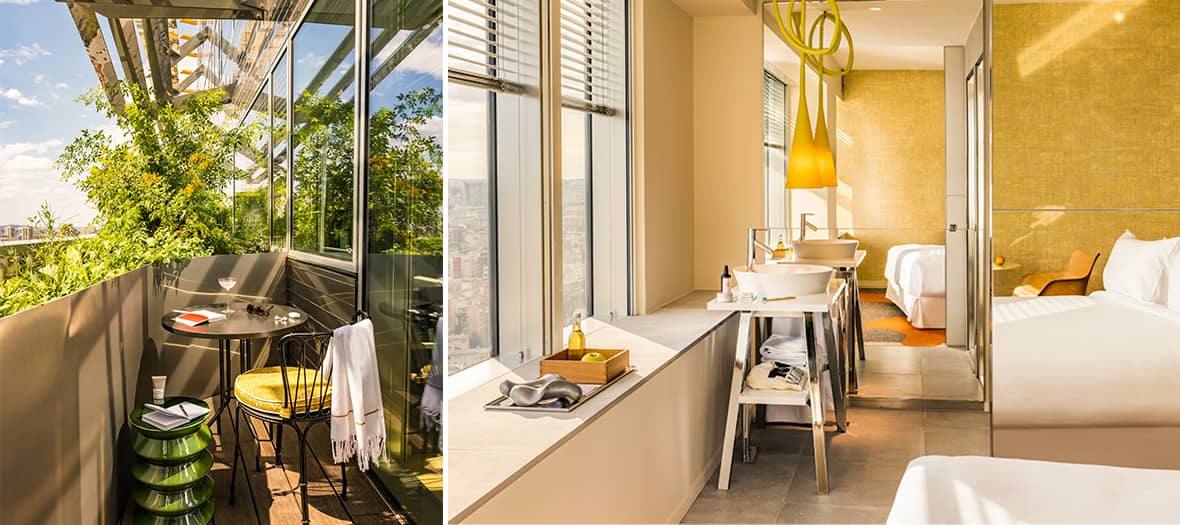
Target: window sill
<point>490,450</point>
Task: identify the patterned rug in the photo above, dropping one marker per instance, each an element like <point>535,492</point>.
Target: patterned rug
<point>884,322</point>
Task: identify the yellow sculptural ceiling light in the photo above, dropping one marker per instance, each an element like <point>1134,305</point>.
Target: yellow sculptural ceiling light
<point>811,163</point>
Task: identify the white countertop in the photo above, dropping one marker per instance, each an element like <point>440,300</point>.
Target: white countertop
<point>820,302</point>
<point>491,449</point>
<point>852,262</point>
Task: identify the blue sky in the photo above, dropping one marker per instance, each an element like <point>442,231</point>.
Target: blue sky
<point>43,69</point>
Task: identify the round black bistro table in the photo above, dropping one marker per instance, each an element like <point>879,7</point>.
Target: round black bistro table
<point>239,325</point>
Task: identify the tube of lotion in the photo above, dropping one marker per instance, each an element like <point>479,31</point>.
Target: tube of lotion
<point>158,383</point>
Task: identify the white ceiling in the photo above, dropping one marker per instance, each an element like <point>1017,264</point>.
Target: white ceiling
<point>904,34</point>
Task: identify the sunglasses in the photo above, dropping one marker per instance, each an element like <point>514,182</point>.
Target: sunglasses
<point>263,310</point>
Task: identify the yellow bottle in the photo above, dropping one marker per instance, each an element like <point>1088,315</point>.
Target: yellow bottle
<point>577,342</point>
<point>780,251</point>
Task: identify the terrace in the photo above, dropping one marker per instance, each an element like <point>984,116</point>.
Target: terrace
<point>311,219</point>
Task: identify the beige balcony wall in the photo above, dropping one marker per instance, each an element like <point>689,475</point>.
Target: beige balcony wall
<point>75,367</point>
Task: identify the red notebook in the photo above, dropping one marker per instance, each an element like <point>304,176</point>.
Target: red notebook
<point>198,318</point>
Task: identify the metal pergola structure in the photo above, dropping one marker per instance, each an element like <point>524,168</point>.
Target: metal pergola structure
<point>172,49</point>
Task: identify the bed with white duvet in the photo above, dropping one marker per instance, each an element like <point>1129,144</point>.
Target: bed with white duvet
<point>940,489</point>
<point>1094,379</point>
<point>915,276</point>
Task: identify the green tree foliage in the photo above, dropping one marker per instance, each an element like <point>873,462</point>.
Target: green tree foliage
<point>158,196</point>
<point>405,179</point>
<point>322,198</point>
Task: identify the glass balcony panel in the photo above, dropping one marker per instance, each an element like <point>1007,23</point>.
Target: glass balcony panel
<point>322,132</point>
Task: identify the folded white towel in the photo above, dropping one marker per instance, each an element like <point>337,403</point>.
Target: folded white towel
<point>786,349</point>
<point>358,417</point>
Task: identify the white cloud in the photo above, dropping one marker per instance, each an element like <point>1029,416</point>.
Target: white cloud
<point>16,96</point>
<point>434,127</point>
<point>19,2</point>
<point>22,54</point>
<point>39,78</point>
<point>427,58</point>
<point>28,178</point>
<point>61,85</point>
<point>117,135</point>
<point>21,155</point>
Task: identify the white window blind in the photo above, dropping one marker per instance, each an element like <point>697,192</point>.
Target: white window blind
<point>479,53</point>
<point>774,112</point>
<point>585,81</point>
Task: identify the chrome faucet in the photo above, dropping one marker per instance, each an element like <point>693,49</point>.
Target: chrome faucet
<point>804,224</point>
<point>754,246</point>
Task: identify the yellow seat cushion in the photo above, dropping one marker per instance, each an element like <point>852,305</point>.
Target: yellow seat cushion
<point>262,389</point>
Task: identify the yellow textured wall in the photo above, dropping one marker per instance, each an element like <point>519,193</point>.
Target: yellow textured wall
<point>891,157</point>
<point>1086,129</point>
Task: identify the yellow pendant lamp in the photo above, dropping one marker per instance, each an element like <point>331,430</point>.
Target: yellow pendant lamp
<point>825,161</point>
<point>802,166</point>
<point>811,163</point>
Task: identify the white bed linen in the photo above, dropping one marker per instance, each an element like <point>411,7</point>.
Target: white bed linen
<point>915,276</point>
<point>917,269</point>
<point>940,489</point>
<point>1104,360</point>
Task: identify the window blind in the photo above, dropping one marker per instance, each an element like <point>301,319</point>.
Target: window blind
<point>584,58</point>
<point>477,48</point>
<point>774,112</point>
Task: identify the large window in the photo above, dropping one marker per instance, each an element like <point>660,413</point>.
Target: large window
<point>404,262</point>
<point>774,150</point>
<point>279,159</point>
<point>498,213</point>
<point>322,133</point>
<point>251,188</point>
<point>576,197</point>
<point>470,234</point>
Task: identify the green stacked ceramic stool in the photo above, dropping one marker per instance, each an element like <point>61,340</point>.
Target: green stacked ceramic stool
<point>171,471</point>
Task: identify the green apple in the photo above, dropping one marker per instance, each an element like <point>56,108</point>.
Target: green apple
<point>593,357</point>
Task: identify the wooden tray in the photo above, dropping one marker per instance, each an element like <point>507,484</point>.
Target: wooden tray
<point>587,372</point>
<point>588,391</point>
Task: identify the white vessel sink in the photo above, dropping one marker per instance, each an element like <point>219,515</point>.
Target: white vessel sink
<point>778,280</point>
<point>826,249</point>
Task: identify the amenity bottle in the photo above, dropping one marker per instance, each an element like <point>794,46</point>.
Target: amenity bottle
<point>577,341</point>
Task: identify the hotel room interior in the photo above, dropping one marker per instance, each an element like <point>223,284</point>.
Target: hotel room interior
<point>996,252</point>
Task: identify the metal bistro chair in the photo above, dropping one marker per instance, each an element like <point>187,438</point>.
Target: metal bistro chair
<point>292,394</point>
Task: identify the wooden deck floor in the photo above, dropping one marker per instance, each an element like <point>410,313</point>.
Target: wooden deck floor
<point>276,487</point>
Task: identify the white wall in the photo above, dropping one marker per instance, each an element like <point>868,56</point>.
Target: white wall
<point>663,149</point>
<point>954,80</point>
<point>727,141</point>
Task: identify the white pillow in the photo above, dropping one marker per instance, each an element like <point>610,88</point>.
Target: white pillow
<point>1173,281</point>
<point>1138,268</point>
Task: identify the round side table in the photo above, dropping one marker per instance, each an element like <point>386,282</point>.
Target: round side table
<point>171,470</point>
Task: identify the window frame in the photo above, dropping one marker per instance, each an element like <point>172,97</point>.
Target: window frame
<point>526,252</point>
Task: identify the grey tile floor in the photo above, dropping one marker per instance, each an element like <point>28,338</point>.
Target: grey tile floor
<point>909,372</point>
<point>865,465</point>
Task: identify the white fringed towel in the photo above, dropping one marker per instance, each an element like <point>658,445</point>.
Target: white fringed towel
<point>358,417</point>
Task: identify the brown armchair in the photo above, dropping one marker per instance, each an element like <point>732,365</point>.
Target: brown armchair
<point>1073,280</point>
